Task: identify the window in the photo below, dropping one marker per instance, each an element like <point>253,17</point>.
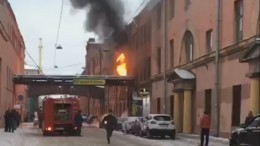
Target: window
<point>159,16</point>
<point>172,7</point>
<point>172,53</point>
<point>158,105</point>
<point>162,118</point>
<point>187,4</point>
<point>159,59</point>
<point>255,123</point>
<point>209,42</point>
<point>188,44</point>
<point>208,100</point>
<point>172,105</point>
<point>239,20</point>
<point>149,67</point>
<point>236,107</point>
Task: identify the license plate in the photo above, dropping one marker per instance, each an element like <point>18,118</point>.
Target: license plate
<point>164,125</point>
<point>59,128</point>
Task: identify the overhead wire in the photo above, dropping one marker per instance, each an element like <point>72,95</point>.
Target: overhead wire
<point>58,32</point>
<point>67,66</point>
<point>134,14</point>
<point>34,62</point>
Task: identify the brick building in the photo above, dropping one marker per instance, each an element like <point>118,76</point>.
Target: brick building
<point>11,58</point>
<point>100,61</point>
<point>185,58</point>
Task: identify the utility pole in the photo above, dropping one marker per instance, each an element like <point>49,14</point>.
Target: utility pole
<point>165,54</point>
<point>40,55</point>
<point>217,75</point>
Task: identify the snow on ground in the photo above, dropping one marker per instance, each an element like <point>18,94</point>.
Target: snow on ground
<point>32,136</point>
<point>180,141</point>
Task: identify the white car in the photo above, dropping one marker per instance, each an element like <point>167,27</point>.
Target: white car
<point>127,125</point>
<point>158,125</point>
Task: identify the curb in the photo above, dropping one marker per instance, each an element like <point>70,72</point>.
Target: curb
<point>219,140</point>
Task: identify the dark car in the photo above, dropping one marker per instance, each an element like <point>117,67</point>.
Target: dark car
<point>247,135</point>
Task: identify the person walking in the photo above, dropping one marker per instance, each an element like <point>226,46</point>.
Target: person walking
<point>249,118</point>
<point>12,121</point>
<point>110,123</point>
<point>78,122</point>
<point>205,123</point>
<point>7,120</point>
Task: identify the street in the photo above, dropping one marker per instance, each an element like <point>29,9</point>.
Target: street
<point>31,136</point>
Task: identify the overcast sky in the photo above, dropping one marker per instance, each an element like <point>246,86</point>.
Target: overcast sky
<point>39,19</point>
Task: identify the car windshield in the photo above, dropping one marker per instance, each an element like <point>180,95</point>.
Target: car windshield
<point>162,118</point>
<point>121,119</point>
<point>255,122</point>
<point>132,119</point>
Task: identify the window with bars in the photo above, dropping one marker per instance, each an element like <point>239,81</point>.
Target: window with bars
<point>172,53</point>
<point>159,59</point>
<point>239,14</point>
<point>159,18</point>
<point>209,41</point>
<point>172,8</point>
<point>189,46</point>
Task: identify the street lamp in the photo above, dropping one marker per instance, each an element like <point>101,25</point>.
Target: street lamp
<point>58,47</point>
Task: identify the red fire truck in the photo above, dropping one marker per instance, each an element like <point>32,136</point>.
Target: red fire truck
<point>58,115</point>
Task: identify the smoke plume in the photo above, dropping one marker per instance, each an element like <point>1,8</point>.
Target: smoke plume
<point>105,18</point>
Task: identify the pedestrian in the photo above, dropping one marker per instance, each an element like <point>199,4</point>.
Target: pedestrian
<point>12,121</point>
<point>110,123</point>
<point>40,117</point>
<point>249,118</point>
<point>7,120</point>
<point>205,123</point>
<point>78,122</point>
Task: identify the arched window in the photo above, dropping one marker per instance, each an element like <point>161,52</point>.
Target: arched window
<point>189,45</point>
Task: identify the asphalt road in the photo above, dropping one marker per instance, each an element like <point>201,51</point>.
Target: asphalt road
<point>30,136</point>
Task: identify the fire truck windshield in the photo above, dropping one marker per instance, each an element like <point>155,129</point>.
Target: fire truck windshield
<point>62,112</point>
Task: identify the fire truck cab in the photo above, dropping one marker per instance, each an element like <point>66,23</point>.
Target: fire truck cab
<point>58,115</point>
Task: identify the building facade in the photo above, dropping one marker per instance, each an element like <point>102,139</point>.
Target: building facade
<point>185,80</point>
<point>100,61</point>
<point>12,53</point>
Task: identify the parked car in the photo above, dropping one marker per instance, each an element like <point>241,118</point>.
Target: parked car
<point>127,125</point>
<point>120,122</point>
<point>136,127</point>
<point>247,135</point>
<point>158,125</point>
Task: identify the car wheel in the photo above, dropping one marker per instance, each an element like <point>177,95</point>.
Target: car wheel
<point>140,133</point>
<point>173,136</point>
<point>148,134</point>
<point>235,143</point>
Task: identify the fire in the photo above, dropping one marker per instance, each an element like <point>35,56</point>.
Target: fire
<point>121,65</point>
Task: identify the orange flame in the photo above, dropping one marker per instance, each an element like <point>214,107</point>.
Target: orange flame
<point>121,67</point>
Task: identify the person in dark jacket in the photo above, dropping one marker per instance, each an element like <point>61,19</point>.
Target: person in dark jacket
<point>7,120</point>
<point>110,123</point>
<point>12,121</point>
<point>249,118</point>
<point>78,122</point>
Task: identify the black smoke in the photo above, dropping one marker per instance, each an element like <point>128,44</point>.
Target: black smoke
<point>105,18</point>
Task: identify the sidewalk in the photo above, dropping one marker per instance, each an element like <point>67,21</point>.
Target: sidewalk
<point>193,138</point>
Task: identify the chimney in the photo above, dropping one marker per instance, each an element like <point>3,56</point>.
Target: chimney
<point>91,40</point>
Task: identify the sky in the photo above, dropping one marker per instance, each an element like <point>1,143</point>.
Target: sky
<point>40,18</point>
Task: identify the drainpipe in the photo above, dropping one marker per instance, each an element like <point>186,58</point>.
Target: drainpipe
<point>165,55</point>
<point>217,75</point>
